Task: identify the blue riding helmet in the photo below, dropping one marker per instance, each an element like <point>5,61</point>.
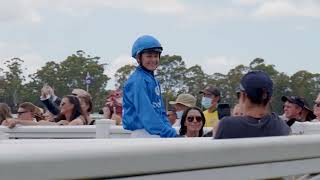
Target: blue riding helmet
<point>144,43</point>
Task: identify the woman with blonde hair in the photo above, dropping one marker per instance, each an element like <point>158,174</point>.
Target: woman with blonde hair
<point>27,113</point>
<point>5,112</point>
<point>86,107</point>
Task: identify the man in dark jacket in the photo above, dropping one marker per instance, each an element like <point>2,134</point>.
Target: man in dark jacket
<point>256,91</point>
<point>50,100</point>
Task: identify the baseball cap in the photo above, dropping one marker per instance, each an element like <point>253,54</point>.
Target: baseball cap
<point>254,81</point>
<point>294,100</point>
<point>185,99</point>
<point>210,89</point>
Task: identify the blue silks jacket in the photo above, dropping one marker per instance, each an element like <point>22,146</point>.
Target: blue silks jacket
<point>143,107</point>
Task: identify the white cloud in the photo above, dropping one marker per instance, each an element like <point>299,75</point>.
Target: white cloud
<point>246,2</point>
<point>118,62</point>
<point>33,10</point>
<point>114,65</point>
<point>308,8</point>
<point>32,60</point>
<point>151,7</point>
<point>301,28</point>
<point>19,11</point>
<point>216,64</point>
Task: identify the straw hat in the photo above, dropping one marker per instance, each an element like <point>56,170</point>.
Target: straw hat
<point>185,99</point>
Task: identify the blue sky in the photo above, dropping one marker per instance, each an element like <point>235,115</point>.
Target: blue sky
<point>218,35</point>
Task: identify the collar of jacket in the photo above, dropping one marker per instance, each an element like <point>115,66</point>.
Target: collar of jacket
<point>145,70</point>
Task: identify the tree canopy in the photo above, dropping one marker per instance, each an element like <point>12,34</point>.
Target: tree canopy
<point>174,76</point>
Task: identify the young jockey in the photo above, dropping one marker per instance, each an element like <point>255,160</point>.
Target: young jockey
<point>143,109</point>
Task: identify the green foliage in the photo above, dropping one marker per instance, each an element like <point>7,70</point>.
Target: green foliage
<point>175,79</point>
<point>13,81</point>
<point>63,77</point>
<point>122,74</point>
<point>303,84</point>
<point>194,81</point>
<point>170,74</point>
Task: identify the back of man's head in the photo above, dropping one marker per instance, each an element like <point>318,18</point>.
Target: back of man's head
<point>258,87</point>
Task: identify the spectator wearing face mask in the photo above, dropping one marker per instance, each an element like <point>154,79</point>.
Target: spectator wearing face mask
<point>210,99</point>
<point>183,102</point>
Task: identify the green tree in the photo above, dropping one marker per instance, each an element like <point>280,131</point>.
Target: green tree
<point>2,85</point>
<point>303,84</point>
<point>122,75</point>
<point>170,74</point>
<point>233,79</point>
<point>316,80</point>
<point>14,79</point>
<point>281,87</point>
<point>259,64</point>
<point>194,81</point>
<point>71,74</point>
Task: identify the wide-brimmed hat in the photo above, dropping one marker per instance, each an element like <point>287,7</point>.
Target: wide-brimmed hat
<point>185,99</point>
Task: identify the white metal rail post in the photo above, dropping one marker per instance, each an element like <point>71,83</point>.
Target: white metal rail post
<point>103,127</point>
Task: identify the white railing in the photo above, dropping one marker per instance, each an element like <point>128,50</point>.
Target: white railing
<point>179,158</point>
<point>112,131</point>
<point>103,129</point>
<point>306,128</point>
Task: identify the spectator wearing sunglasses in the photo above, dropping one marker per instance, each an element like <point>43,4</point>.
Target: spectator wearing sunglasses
<point>255,95</point>
<point>28,114</point>
<point>316,109</point>
<point>54,106</point>
<point>70,114</point>
<point>192,123</point>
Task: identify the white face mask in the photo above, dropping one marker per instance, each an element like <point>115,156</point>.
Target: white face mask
<point>206,102</point>
<point>179,114</point>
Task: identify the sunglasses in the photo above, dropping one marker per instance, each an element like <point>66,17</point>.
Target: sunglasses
<point>317,103</point>
<point>22,112</point>
<point>191,118</point>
